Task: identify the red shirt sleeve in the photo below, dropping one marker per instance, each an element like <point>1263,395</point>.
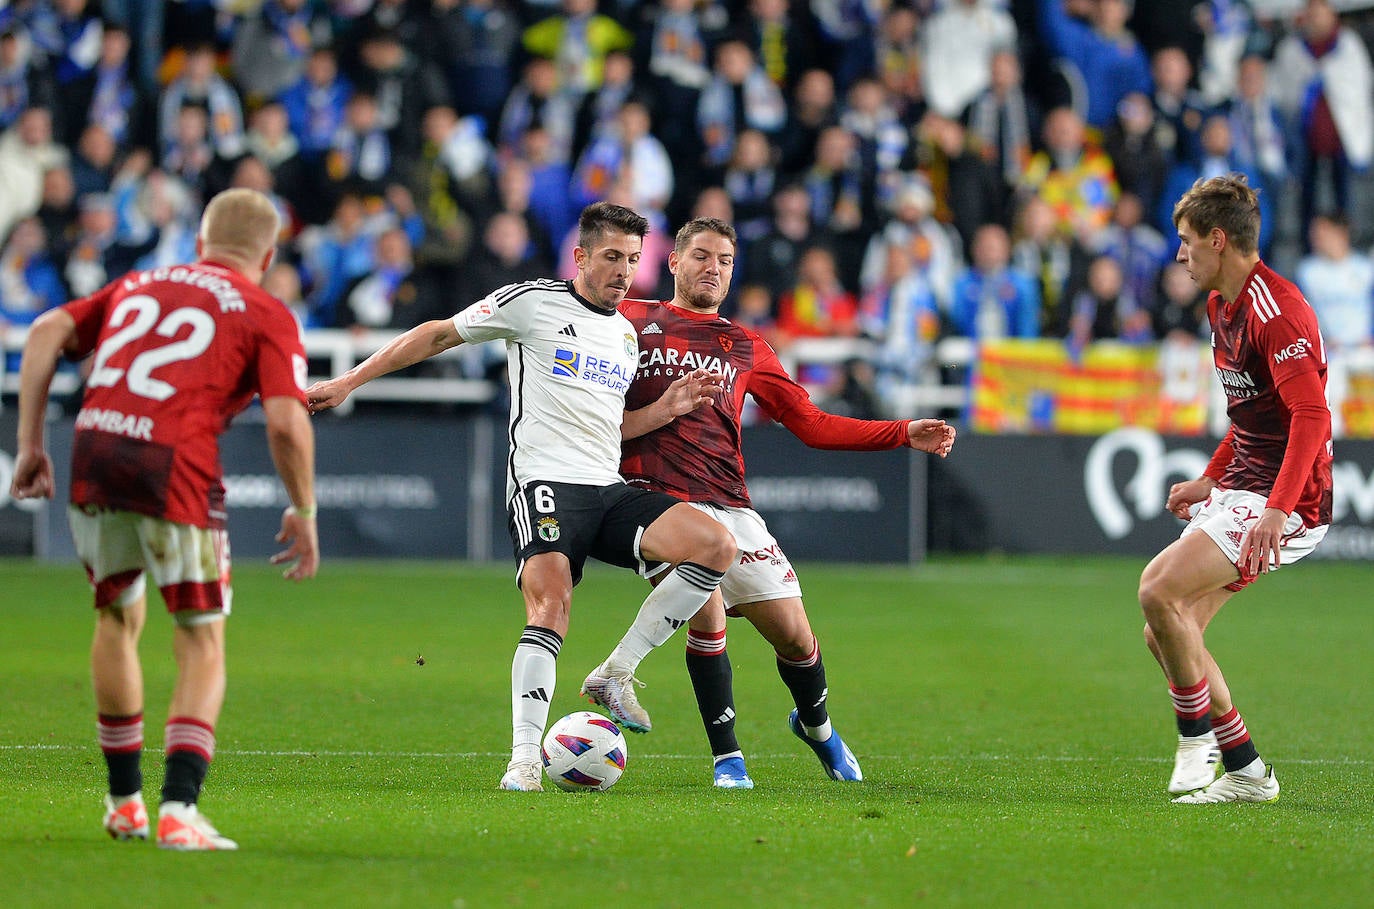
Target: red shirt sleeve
<point>1308,431</point>
<point>89,314</point>
<point>281,366</point>
<point>1292,345</point>
<point>787,402</point>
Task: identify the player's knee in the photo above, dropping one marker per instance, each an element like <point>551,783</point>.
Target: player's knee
<point>1155,601</point>
<point>716,547</point>
<point>795,648</point>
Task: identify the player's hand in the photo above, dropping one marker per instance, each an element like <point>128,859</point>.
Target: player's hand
<point>934,436</point>
<point>1259,548</point>
<point>302,556</point>
<point>696,389</point>
<point>32,476</point>
<point>1183,496</point>
<point>326,395</point>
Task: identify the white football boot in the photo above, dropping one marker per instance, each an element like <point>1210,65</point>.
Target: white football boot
<point>1236,787</point>
<point>1195,763</point>
<point>522,776</point>
<point>617,694</point>
<point>181,826</point>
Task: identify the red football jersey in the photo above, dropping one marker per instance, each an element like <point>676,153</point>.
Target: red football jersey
<point>697,457</point>
<point>178,352</point>
<point>1266,346</point>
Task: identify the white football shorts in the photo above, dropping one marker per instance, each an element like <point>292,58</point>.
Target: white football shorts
<point>189,565</point>
<point>1228,513</point>
<point>761,570</point>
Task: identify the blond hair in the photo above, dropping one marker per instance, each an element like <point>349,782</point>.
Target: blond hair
<point>241,224</point>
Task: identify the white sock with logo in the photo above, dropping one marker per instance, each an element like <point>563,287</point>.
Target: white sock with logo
<point>666,609</point>
<point>533,674</point>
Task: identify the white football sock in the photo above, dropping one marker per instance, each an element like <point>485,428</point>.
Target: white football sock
<point>667,608</point>
<point>533,674</point>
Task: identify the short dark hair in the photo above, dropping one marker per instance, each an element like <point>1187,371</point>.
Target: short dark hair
<point>1228,202</point>
<point>601,218</point>
<point>701,226</point>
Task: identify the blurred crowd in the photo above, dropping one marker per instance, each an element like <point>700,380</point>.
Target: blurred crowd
<point>898,170</point>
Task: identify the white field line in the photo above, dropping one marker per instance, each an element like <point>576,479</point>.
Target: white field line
<point>444,755</point>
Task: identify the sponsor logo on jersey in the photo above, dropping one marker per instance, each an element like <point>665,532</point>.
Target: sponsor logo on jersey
<point>568,330</point>
<point>566,363</point>
<point>1238,384</point>
<point>670,360</point>
<point>547,528</point>
<point>652,329</point>
<point>569,364</point>
<point>1295,351</point>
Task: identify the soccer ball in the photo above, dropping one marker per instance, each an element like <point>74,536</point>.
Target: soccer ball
<point>584,750</point>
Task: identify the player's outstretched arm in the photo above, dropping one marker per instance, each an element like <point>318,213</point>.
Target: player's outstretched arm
<point>934,436</point>
<point>698,388</point>
<point>291,439</point>
<point>420,343</point>
<point>50,334</point>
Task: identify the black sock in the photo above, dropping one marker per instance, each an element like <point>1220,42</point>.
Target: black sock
<point>185,774</point>
<point>712,682</point>
<point>1239,757</point>
<point>806,680</point>
<point>125,772</point>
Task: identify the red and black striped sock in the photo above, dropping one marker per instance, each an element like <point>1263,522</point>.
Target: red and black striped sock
<point>121,741</point>
<point>708,665</point>
<point>805,678</point>
<point>1237,751</point>
<point>190,749</point>
<point>1191,705</point>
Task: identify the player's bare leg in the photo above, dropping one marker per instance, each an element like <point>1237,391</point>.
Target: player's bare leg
<point>1181,590</point>
<point>117,679</point>
<point>546,586</point>
<point>783,623</point>
<point>701,551</point>
<point>198,644</point>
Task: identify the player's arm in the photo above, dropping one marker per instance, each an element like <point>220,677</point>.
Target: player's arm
<point>291,440</point>
<point>686,393</point>
<point>779,395</point>
<point>1309,427</point>
<point>420,343</point>
<point>51,334</point>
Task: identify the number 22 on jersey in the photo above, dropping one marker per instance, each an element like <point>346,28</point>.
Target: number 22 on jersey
<point>134,318</point>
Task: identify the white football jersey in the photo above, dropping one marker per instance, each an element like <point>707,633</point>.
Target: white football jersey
<point>570,365</point>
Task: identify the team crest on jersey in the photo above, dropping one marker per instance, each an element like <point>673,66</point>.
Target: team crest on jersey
<point>566,364</point>
<point>726,342</point>
<point>631,345</point>
<point>548,529</point>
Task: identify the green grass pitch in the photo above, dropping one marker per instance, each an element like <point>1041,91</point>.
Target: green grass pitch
<point>1015,735</point>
